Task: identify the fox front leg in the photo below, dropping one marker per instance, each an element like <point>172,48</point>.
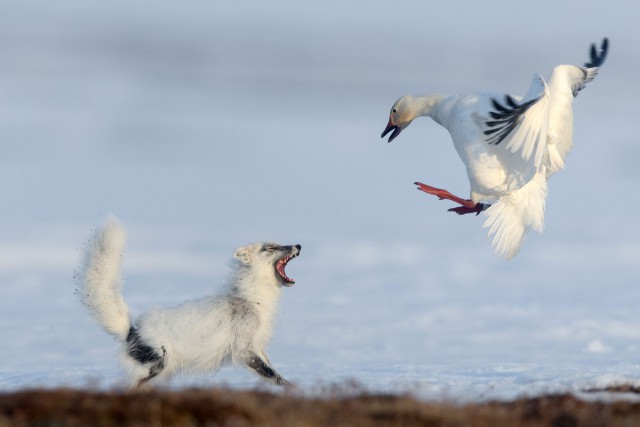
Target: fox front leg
<point>262,367</point>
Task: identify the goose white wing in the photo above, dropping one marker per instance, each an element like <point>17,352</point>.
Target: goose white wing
<point>564,84</point>
<point>521,127</point>
<point>540,126</point>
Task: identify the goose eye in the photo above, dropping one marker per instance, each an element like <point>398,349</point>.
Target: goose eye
<point>394,111</point>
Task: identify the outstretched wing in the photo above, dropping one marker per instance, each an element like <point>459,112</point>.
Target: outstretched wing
<point>540,126</point>
<point>521,127</point>
<point>591,68</point>
<point>565,83</point>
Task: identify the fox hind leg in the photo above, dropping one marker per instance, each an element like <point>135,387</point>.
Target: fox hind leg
<point>154,370</point>
<point>142,353</point>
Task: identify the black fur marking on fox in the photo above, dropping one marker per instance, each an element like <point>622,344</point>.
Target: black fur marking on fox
<point>141,352</point>
<point>261,367</point>
<point>155,369</point>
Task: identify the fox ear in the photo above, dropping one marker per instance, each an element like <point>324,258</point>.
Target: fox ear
<point>243,254</point>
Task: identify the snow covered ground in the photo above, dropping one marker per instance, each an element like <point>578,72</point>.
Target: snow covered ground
<point>207,127</point>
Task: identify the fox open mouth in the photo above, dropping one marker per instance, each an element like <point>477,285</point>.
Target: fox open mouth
<point>280,265</point>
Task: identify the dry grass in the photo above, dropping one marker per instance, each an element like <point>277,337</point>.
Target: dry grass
<point>222,407</point>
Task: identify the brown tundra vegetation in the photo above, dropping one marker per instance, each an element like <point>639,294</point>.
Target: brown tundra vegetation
<point>225,407</point>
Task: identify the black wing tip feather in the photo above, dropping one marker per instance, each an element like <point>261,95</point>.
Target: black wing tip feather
<point>597,59</point>
<point>506,118</point>
<point>499,106</point>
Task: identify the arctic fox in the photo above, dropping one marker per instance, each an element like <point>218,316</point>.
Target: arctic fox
<point>198,335</point>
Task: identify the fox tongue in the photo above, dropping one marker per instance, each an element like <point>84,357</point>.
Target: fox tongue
<point>280,265</point>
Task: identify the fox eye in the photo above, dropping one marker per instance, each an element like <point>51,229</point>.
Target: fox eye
<point>269,248</point>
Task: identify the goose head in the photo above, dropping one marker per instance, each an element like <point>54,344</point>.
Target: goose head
<point>402,114</point>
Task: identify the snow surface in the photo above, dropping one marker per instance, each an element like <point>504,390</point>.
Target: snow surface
<point>206,127</point>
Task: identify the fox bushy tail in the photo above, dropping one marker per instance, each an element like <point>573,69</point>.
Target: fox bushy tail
<point>100,282</point>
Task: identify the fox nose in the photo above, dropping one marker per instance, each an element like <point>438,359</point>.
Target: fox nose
<point>298,247</point>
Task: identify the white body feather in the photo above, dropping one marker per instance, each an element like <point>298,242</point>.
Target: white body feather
<point>510,177</point>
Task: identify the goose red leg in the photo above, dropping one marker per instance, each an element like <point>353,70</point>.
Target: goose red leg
<point>467,206</point>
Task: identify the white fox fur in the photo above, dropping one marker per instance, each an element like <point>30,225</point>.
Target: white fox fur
<point>198,335</point>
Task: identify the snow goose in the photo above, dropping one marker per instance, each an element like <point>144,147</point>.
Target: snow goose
<point>509,144</point>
